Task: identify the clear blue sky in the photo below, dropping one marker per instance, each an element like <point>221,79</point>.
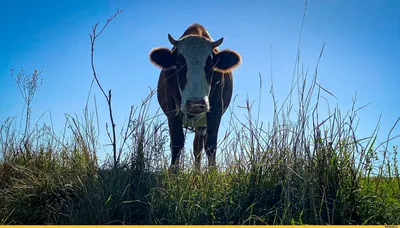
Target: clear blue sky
<point>362,51</point>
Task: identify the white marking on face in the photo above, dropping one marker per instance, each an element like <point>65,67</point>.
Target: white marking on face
<point>195,50</point>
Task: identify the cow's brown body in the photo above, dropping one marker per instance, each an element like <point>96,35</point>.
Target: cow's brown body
<point>219,97</point>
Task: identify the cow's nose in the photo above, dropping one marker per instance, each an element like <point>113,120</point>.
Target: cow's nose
<point>197,105</point>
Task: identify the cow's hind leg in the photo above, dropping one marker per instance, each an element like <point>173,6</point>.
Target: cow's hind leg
<point>198,145</point>
<point>211,139</point>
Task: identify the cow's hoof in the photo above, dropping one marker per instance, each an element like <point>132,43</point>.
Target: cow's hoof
<point>197,169</point>
<point>174,169</point>
<point>212,169</point>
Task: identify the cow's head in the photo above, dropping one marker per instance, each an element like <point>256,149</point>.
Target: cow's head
<point>193,63</point>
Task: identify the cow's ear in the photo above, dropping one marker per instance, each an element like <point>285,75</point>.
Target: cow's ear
<point>227,60</point>
<point>161,57</point>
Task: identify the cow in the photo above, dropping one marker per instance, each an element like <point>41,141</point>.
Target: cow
<point>194,90</point>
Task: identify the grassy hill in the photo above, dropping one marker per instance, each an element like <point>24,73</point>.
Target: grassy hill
<point>290,174</point>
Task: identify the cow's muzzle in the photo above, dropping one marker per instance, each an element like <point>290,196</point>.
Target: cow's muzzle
<point>195,106</point>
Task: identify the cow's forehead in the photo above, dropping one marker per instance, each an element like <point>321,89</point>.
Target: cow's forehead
<point>194,47</point>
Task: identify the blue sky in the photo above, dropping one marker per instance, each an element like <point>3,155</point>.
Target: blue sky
<point>361,54</point>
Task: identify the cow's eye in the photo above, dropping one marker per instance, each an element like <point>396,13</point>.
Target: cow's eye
<point>180,61</point>
<point>209,63</point>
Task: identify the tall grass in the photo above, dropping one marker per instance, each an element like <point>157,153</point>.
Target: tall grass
<point>300,169</point>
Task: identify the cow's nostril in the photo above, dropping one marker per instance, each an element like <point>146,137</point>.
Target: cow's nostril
<point>196,106</point>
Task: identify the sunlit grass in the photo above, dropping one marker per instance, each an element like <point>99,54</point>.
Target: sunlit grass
<point>288,174</point>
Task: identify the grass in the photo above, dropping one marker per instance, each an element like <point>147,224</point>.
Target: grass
<point>301,169</point>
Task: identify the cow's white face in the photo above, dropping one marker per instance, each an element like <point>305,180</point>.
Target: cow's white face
<point>194,62</point>
<point>196,51</point>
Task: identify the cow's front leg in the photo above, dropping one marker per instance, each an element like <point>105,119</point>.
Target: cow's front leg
<point>177,141</point>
